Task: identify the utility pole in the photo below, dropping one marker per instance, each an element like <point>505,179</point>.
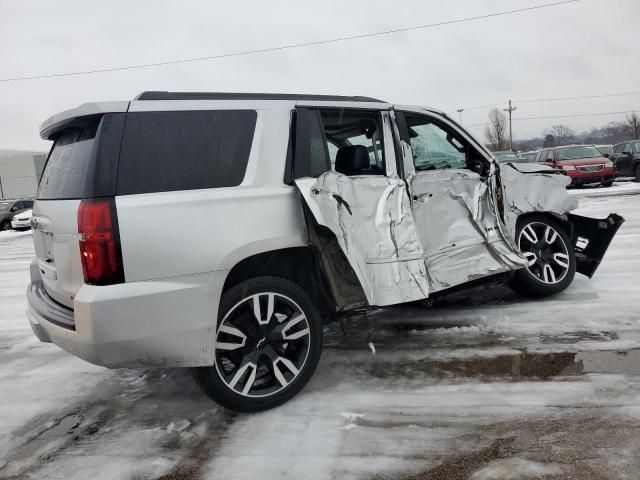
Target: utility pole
<point>460,110</point>
<point>510,109</point>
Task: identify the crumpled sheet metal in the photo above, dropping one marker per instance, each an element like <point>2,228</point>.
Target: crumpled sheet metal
<point>376,232</point>
<point>535,191</point>
<point>462,237</point>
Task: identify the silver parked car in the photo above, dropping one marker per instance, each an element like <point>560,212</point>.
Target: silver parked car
<point>219,231</point>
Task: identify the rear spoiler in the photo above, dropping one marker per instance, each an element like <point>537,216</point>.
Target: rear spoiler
<point>53,124</point>
<point>591,239</point>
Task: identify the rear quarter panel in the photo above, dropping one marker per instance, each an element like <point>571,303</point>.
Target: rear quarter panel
<point>195,231</point>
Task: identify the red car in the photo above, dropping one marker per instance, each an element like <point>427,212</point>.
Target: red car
<point>583,163</point>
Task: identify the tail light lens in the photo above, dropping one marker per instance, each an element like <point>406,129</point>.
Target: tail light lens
<point>100,242</point>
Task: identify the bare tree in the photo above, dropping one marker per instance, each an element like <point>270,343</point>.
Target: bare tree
<point>562,134</point>
<point>496,130</point>
<point>632,125</point>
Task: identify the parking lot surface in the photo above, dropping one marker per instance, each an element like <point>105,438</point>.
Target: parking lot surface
<point>482,384</point>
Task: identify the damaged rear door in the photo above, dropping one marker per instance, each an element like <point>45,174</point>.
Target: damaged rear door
<point>452,190</point>
<point>345,169</point>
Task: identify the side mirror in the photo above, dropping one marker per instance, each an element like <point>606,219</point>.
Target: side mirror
<point>13,209</point>
<point>626,152</point>
<point>605,155</point>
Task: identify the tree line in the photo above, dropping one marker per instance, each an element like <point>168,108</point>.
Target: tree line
<point>496,133</point>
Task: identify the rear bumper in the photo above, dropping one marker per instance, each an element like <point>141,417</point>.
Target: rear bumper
<point>160,323</point>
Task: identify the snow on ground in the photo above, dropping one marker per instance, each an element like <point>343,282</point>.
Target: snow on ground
<point>483,385</point>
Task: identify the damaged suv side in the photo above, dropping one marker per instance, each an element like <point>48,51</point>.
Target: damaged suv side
<point>324,205</point>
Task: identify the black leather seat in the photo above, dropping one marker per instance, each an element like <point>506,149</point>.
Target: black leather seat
<point>353,160</point>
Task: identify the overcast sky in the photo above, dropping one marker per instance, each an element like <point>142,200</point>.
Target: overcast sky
<point>584,48</point>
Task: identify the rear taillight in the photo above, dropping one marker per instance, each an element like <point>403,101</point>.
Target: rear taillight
<point>100,242</point>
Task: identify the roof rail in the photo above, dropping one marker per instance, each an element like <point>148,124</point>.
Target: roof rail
<point>160,95</point>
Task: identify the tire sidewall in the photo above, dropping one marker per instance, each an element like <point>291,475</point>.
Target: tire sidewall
<point>209,378</point>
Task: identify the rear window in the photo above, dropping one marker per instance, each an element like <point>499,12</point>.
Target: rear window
<point>168,151</point>
<point>65,173</point>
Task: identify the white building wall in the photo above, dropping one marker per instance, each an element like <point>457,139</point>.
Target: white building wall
<point>18,174</point>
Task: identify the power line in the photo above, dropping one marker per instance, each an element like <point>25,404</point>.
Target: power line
<point>577,98</point>
<point>497,104</point>
<point>290,46</point>
<point>558,116</point>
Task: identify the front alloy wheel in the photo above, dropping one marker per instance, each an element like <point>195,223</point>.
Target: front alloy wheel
<point>551,260</point>
<point>267,345</point>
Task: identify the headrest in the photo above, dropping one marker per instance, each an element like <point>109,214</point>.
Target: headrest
<point>352,159</point>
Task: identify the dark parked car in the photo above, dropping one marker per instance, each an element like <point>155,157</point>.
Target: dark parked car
<point>584,164</point>
<point>8,208</point>
<point>626,158</point>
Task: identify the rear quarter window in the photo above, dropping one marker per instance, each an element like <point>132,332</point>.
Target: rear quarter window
<point>185,150</point>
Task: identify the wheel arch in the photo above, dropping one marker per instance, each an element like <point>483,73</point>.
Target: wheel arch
<point>562,220</point>
<point>301,265</point>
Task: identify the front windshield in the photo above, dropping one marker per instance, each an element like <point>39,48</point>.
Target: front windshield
<point>5,206</point>
<point>574,153</point>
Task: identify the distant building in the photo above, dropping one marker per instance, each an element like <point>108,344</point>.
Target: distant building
<point>20,172</point>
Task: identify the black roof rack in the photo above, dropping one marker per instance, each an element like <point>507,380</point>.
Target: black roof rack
<point>152,95</point>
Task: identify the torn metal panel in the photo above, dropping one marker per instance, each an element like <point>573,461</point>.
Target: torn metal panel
<point>592,237</point>
<point>528,188</point>
<point>459,228</point>
<point>372,220</point>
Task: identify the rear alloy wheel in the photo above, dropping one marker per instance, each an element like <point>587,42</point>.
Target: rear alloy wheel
<point>6,225</point>
<point>552,262</point>
<point>636,173</point>
<point>267,345</point>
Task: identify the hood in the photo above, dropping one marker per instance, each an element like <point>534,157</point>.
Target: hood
<point>23,215</point>
<point>584,161</point>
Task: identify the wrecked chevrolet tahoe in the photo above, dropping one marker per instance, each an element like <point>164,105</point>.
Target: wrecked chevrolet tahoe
<point>219,231</point>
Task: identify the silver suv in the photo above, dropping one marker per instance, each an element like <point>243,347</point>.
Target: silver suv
<point>220,231</point>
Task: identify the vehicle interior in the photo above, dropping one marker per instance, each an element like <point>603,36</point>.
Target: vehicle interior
<point>354,141</point>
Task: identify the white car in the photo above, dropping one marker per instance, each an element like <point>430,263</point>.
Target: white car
<point>287,211</point>
<point>22,220</point>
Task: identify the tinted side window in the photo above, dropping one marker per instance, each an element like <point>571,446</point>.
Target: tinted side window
<point>168,151</point>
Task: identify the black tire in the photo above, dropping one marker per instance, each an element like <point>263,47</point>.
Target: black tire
<point>636,173</point>
<point>540,278</point>
<point>6,225</point>
<point>251,359</point>
<point>607,184</point>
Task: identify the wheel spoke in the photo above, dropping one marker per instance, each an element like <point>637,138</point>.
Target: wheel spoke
<point>257,308</point>
<point>550,235</point>
<point>530,234</point>
<point>531,257</point>
<point>290,324</point>
<point>548,274</point>
<point>561,259</point>
<point>229,330</point>
<point>240,372</point>
<point>279,375</point>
